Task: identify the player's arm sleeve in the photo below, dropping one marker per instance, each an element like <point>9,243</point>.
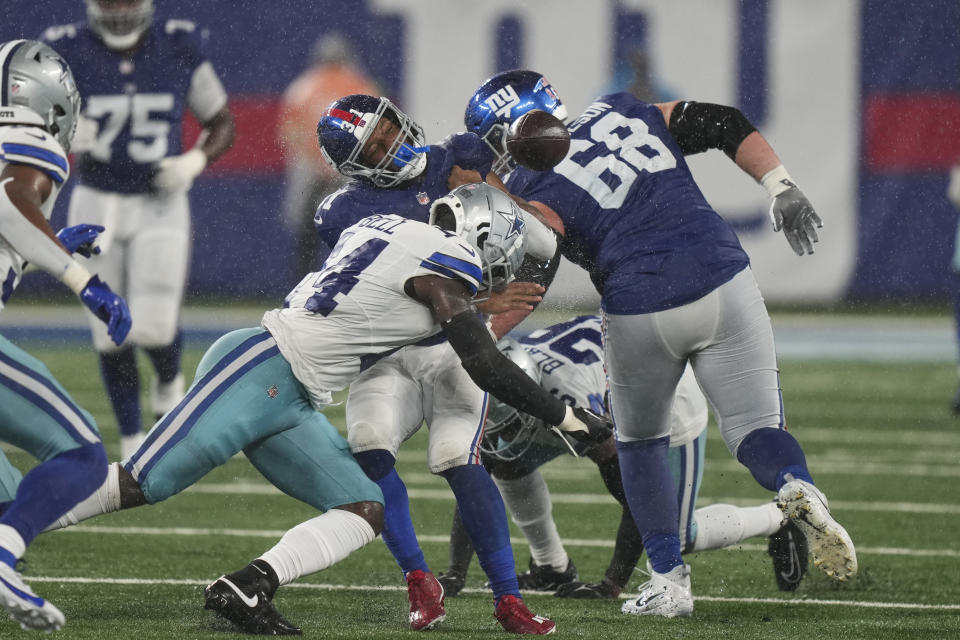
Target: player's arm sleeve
<point>495,373</point>
<point>698,126</point>
<point>540,270</point>
<point>206,96</point>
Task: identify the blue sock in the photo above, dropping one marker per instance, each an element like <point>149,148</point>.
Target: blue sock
<point>54,487</point>
<point>122,380</point>
<point>166,360</point>
<point>652,496</point>
<point>485,520</point>
<point>771,454</point>
<point>398,532</point>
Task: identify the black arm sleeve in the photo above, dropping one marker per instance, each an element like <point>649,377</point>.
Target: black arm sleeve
<point>495,373</point>
<point>540,271</point>
<point>698,126</point>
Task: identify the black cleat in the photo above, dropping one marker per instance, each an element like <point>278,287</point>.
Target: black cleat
<point>539,578</point>
<point>788,548</point>
<point>248,607</point>
<point>956,403</point>
<point>605,590</point>
<point>452,583</point>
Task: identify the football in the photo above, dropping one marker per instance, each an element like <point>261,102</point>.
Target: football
<point>538,140</point>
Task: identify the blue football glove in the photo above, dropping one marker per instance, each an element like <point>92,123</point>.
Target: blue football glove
<point>81,238</point>
<point>107,306</point>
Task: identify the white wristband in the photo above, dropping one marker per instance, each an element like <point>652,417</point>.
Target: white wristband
<point>776,181</point>
<point>75,277</point>
<point>571,422</point>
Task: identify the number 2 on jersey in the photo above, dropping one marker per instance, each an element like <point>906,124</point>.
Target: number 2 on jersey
<point>631,149</point>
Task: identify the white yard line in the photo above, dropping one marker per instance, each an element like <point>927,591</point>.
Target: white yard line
<point>358,587</point>
<point>573,542</point>
<point>260,488</point>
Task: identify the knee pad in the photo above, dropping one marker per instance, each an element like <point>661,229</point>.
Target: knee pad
<point>446,453</point>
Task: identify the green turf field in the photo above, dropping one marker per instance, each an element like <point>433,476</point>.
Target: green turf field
<point>879,438</point>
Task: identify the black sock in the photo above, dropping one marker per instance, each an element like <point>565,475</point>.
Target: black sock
<point>626,551</point>
<point>258,573</point>
<point>461,549</point>
<point>610,473</point>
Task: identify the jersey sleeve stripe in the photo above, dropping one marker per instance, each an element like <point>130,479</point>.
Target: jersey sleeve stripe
<point>51,163</point>
<point>469,268</point>
<point>449,273</point>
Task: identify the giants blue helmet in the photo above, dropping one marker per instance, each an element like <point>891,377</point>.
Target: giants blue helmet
<point>502,99</point>
<point>349,122</point>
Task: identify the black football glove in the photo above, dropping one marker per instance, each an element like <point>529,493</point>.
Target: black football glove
<point>583,426</point>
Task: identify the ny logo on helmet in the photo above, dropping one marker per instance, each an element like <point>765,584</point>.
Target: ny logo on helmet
<point>503,101</point>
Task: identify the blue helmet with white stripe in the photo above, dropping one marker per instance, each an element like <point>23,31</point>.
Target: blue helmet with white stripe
<point>347,125</point>
<point>37,88</point>
<point>490,221</point>
<point>503,98</point>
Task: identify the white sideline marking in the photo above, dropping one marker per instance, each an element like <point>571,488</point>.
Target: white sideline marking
<point>359,587</point>
<point>573,542</point>
<point>260,488</point>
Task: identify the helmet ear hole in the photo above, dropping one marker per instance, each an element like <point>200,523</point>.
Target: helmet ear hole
<point>444,217</point>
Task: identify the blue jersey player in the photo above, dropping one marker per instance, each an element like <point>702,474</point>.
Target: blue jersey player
<point>39,104</point>
<point>138,81</point>
<point>371,140</point>
<point>676,287</point>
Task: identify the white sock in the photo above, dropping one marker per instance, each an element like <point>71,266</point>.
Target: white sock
<point>106,499</point>
<point>723,525</point>
<point>12,541</point>
<point>318,543</point>
<point>130,444</point>
<point>529,504</point>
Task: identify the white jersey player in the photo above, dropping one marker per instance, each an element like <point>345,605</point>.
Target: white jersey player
<point>391,282</point>
<point>567,359</point>
<point>139,80</point>
<point>38,109</point>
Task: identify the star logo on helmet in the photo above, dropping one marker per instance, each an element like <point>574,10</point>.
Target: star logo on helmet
<point>516,224</point>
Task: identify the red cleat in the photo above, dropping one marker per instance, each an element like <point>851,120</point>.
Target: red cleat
<point>426,600</point>
<point>514,616</point>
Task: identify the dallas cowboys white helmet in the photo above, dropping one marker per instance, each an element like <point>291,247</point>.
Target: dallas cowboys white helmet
<point>37,87</point>
<point>119,23</point>
<point>509,433</point>
<point>489,220</point>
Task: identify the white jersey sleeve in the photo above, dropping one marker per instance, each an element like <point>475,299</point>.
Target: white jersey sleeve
<point>34,147</point>
<point>207,95</point>
<point>342,319</point>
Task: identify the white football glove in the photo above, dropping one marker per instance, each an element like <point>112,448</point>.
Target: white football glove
<point>953,190</point>
<point>85,136</point>
<point>176,173</point>
<point>791,211</point>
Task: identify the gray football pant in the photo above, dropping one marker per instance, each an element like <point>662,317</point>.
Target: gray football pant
<point>726,336</point>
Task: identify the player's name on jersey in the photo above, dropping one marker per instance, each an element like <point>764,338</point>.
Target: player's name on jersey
<point>544,360</point>
<point>381,223</point>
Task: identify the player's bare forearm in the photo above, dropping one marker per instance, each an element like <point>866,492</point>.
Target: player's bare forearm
<point>755,156</point>
<point>503,323</point>
<point>460,176</point>
<point>219,134</point>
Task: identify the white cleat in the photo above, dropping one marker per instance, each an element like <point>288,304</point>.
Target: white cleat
<point>829,543</point>
<point>26,607</point>
<point>666,594</point>
<point>164,397</point>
